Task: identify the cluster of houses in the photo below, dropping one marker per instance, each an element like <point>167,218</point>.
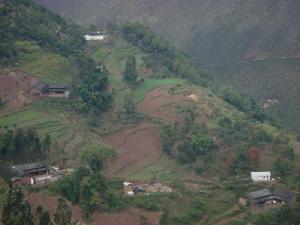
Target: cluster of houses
<point>130,189</point>
<point>38,173</point>
<point>41,89</point>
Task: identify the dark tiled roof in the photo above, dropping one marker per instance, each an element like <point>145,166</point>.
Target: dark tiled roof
<point>57,86</point>
<point>285,194</point>
<point>264,195</point>
<point>53,87</point>
<point>41,86</point>
<point>24,169</point>
<point>259,194</point>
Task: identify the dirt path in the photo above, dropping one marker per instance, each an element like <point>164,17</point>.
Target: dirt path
<point>137,147</point>
<point>130,216</point>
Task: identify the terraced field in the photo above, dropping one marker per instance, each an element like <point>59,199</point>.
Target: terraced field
<point>46,66</point>
<point>30,118</point>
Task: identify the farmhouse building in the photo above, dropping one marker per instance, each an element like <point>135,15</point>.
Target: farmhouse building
<point>88,37</point>
<point>41,89</point>
<point>38,173</point>
<point>265,197</point>
<point>58,91</point>
<point>261,176</point>
<point>26,173</point>
<point>127,188</point>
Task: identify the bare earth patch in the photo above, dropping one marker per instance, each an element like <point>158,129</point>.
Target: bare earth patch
<point>137,147</point>
<point>14,88</point>
<point>130,216</point>
<point>161,104</point>
<point>296,146</point>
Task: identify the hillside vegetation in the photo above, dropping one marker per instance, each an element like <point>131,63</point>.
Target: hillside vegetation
<point>138,111</point>
<point>248,44</point>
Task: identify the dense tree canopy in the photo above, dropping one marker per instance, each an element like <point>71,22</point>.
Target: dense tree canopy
<point>129,73</point>
<point>63,213</point>
<point>24,20</point>
<point>21,142</point>
<point>87,186</point>
<point>162,52</point>
<point>90,94</point>
<point>16,211</point>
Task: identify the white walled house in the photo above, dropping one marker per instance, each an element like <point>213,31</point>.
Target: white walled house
<point>97,37</point>
<point>261,176</point>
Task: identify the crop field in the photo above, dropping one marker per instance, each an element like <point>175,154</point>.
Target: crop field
<point>164,169</point>
<point>31,118</point>
<point>149,84</point>
<point>46,66</point>
<point>100,54</point>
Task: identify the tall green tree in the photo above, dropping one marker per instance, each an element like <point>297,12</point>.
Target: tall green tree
<point>43,217</point>
<point>129,107</point>
<point>46,142</point>
<point>129,73</point>
<point>63,213</point>
<point>16,211</point>
<point>91,93</point>
<point>202,143</point>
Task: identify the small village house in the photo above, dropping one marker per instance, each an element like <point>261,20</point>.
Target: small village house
<point>38,90</point>
<point>38,173</point>
<point>128,189</point>
<point>261,176</point>
<point>58,91</point>
<point>265,197</point>
<point>41,89</point>
<point>94,36</point>
<point>26,173</point>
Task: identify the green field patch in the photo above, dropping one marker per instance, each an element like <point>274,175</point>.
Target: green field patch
<point>18,117</point>
<point>162,169</point>
<point>44,65</point>
<point>36,120</point>
<point>149,84</point>
<point>115,62</point>
<point>100,54</point>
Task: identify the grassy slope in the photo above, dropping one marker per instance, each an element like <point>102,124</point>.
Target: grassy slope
<point>222,203</point>
<point>31,118</point>
<point>44,65</point>
<point>264,80</point>
<point>150,84</point>
<point>216,33</point>
<point>52,116</point>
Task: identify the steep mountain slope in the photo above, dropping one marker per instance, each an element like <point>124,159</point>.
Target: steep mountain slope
<point>219,34</point>
<point>168,126</point>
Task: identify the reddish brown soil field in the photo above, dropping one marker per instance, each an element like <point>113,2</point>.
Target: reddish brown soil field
<point>161,104</point>
<point>125,217</point>
<point>137,147</point>
<point>14,88</point>
<point>296,146</point>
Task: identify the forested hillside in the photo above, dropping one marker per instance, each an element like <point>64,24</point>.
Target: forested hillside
<point>252,45</point>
